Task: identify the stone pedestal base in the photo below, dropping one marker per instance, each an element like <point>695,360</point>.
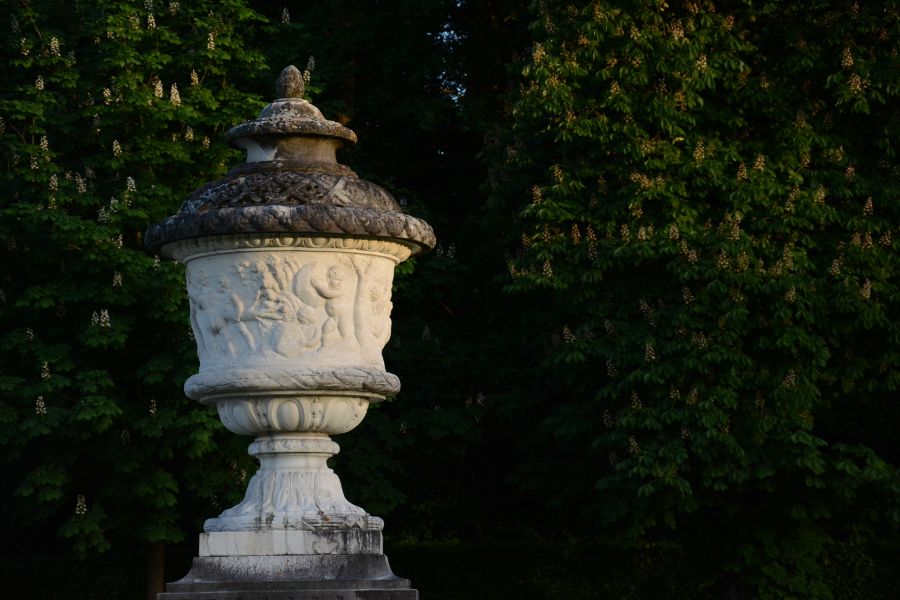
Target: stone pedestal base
<point>275,542</point>
<point>297,577</point>
<point>322,564</point>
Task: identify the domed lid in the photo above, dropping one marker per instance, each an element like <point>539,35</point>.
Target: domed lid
<point>290,115</point>
<point>291,182</point>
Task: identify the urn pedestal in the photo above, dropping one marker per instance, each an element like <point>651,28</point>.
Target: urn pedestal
<point>290,263</point>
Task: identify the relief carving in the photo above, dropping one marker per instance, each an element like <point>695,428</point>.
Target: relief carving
<point>274,306</point>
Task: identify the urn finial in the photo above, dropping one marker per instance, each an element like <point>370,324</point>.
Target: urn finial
<point>290,83</point>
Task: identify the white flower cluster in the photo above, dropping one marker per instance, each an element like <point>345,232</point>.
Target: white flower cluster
<point>80,505</point>
<point>608,420</point>
<point>310,67</point>
<point>866,291</point>
<point>40,408</point>
<point>100,319</point>
<point>45,371</point>
<point>174,96</point>
<point>869,207</point>
<point>633,446</point>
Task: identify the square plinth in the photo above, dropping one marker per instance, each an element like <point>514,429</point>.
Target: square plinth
<point>291,577</point>
<point>276,542</point>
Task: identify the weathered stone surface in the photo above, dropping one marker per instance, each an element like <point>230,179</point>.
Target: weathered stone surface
<point>275,218</point>
<point>267,183</point>
<point>207,571</point>
<point>290,83</point>
<point>265,197</point>
<point>275,542</point>
<point>289,332</point>
<point>266,307</point>
<point>206,386</point>
<point>294,594</point>
<point>316,412</point>
<point>294,490</point>
<point>320,577</point>
<point>291,183</point>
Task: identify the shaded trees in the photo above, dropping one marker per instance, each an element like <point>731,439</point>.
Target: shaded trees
<point>709,197</point>
<point>112,112</point>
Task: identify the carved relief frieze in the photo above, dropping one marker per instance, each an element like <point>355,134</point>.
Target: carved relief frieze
<point>330,308</point>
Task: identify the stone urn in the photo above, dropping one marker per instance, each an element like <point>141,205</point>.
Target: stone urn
<point>290,261</point>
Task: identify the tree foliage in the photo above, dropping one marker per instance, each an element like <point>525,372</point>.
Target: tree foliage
<point>112,112</point>
<point>708,196</point>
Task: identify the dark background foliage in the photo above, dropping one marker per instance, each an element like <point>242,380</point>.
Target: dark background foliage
<point>654,354</point>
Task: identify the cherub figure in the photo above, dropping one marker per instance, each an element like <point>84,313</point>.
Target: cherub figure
<point>236,338</point>
<point>200,300</point>
<point>338,326</point>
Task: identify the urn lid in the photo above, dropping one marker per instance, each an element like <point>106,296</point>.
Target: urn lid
<point>290,115</point>
<point>291,182</point>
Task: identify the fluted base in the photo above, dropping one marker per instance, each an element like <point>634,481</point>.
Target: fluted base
<point>303,577</point>
<point>294,490</point>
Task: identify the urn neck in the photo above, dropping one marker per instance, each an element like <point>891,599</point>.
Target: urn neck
<point>309,150</point>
